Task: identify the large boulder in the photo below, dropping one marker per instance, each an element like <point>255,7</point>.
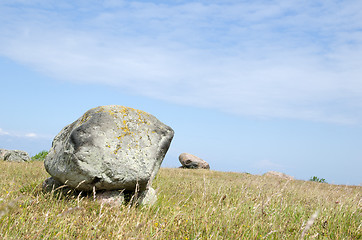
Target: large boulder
<point>188,160</point>
<point>14,155</point>
<point>109,148</point>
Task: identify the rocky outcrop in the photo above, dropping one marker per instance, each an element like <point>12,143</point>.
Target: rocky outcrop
<point>109,148</point>
<point>14,155</point>
<point>278,174</point>
<point>188,160</point>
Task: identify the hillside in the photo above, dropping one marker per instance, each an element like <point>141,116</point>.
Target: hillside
<point>192,204</point>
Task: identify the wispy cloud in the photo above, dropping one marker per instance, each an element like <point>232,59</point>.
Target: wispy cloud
<point>2,132</point>
<point>29,135</point>
<point>285,59</point>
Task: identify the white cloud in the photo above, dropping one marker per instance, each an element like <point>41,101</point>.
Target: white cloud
<point>31,135</point>
<point>298,59</point>
<point>18,134</point>
<point>2,132</point>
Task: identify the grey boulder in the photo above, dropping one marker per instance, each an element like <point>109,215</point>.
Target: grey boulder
<point>188,160</point>
<point>109,148</point>
<point>14,156</point>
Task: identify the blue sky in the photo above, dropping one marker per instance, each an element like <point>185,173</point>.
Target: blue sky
<point>249,86</point>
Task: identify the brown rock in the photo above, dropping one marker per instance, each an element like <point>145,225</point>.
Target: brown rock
<point>190,161</point>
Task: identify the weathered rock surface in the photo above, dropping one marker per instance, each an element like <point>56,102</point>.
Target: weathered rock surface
<point>278,174</point>
<point>190,161</point>
<point>14,155</point>
<point>109,148</point>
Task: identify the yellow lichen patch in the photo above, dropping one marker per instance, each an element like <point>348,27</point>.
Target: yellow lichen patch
<point>117,149</point>
<point>122,136</point>
<point>126,130</point>
<point>126,118</point>
<point>140,112</point>
<point>112,113</point>
<point>85,117</point>
<point>100,109</point>
<point>124,110</point>
<point>141,118</point>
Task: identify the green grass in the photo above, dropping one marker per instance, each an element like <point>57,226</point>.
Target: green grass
<point>192,204</point>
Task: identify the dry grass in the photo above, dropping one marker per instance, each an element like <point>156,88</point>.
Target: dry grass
<point>192,204</point>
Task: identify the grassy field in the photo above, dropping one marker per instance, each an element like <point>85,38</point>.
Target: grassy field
<point>192,204</point>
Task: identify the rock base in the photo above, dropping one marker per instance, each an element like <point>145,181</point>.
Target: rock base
<point>113,197</point>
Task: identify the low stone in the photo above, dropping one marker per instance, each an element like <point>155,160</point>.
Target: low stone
<point>147,197</point>
<point>109,148</point>
<point>117,198</point>
<point>113,198</point>
<point>191,161</point>
<point>14,156</point>
<point>279,174</point>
